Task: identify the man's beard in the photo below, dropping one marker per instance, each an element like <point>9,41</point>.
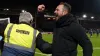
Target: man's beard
<point>57,17</point>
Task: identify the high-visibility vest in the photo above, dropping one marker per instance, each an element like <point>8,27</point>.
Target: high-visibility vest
<point>20,36</point>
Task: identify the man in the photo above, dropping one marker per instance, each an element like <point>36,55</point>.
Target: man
<point>39,18</point>
<point>42,19</point>
<point>97,32</point>
<point>19,39</point>
<point>68,34</point>
<point>91,33</point>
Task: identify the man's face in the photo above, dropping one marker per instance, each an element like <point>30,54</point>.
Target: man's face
<point>59,11</point>
<point>41,8</point>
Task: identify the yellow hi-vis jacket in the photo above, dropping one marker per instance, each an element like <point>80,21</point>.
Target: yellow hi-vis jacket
<point>20,36</point>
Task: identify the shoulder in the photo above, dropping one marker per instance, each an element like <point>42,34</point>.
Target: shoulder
<point>8,25</point>
<point>75,27</point>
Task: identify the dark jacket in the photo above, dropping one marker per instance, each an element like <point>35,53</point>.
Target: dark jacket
<point>67,35</point>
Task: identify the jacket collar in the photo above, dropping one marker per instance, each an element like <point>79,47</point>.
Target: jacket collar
<point>65,20</point>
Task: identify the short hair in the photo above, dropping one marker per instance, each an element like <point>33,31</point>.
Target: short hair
<point>66,6</point>
<point>25,17</point>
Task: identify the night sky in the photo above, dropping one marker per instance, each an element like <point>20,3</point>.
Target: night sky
<point>91,6</point>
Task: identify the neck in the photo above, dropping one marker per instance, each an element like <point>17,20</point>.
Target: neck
<point>24,23</point>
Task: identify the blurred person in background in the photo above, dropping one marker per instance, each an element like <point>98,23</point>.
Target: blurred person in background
<point>68,33</point>
<point>97,32</point>
<point>91,33</point>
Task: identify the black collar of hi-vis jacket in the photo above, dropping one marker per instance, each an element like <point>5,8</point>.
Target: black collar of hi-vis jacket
<point>65,20</point>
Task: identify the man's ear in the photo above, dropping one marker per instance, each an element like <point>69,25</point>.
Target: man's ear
<point>65,12</point>
<point>31,21</point>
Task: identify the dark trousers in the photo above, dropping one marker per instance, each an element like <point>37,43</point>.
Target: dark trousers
<point>1,45</point>
<point>7,51</point>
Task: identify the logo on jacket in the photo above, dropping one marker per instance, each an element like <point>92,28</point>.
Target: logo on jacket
<point>22,31</point>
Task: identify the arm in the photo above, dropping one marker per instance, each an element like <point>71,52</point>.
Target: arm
<point>80,36</point>
<point>40,10</point>
<point>43,46</point>
<point>39,17</point>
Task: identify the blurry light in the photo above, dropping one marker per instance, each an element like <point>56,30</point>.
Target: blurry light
<point>92,17</point>
<point>84,16</point>
<point>54,18</point>
<point>48,18</point>
<point>23,11</point>
<point>6,9</point>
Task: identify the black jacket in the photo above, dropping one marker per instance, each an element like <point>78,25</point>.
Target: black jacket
<point>67,35</point>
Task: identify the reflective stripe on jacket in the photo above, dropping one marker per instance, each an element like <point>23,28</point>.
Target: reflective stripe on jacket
<point>20,36</point>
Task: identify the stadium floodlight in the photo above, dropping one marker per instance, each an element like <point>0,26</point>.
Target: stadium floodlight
<point>84,16</point>
<point>6,9</point>
<point>23,11</point>
<point>92,17</point>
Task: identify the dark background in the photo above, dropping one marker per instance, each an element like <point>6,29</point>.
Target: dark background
<point>79,7</point>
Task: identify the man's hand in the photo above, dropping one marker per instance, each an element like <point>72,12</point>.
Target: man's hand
<point>41,8</point>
